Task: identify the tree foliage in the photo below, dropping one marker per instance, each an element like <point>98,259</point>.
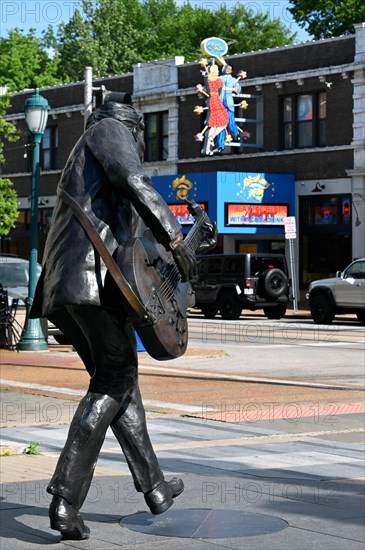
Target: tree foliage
<point>328,18</point>
<point>8,196</point>
<point>7,129</point>
<point>112,35</point>
<point>8,206</point>
<point>25,63</point>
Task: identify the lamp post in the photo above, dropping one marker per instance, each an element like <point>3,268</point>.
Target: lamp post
<point>36,114</point>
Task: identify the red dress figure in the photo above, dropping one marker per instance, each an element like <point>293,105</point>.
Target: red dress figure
<point>218,115</point>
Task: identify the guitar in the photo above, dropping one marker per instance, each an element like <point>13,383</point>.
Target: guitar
<point>156,281</point>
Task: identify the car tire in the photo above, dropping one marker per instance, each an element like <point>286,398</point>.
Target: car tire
<point>274,283</point>
<point>229,306</point>
<point>209,312</point>
<point>361,316</point>
<point>276,312</point>
<point>321,310</point>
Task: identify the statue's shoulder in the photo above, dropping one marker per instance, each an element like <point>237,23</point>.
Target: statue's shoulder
<point>107,128</point>
<point>111,125</point>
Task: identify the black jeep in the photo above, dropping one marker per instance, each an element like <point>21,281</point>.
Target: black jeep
<point>229,283</point>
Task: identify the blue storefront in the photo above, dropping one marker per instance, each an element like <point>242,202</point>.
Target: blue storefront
<point>249,207</point>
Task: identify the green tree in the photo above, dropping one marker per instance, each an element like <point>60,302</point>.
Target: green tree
<point>7,129</point>
<point>104,35</point>
<point>8,206</point>
<point>8,196</point>
<point>75,47</point>
<point>25,63</point>
<point>329,17</point>
<point>111,35</point>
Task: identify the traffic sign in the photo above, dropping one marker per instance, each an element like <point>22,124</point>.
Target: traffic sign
<point>290,227</point>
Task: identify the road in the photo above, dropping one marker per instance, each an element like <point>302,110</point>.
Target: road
<point>252,365</point>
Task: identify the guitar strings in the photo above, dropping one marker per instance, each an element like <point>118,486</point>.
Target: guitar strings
<point>171,281</point>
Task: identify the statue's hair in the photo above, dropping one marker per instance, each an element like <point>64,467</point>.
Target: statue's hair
<point>125,113</point>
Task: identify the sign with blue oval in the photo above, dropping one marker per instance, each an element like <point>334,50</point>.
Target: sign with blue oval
<point>215,47</point>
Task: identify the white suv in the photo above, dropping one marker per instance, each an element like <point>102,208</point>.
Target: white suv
<point>344,293</point>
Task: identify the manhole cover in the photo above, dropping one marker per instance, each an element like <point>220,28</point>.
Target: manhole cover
<point>204,524</point>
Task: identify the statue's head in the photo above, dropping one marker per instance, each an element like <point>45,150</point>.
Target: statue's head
<point>125,113</point>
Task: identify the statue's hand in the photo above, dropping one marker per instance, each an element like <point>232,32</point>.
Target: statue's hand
<point>210,237</point>
<point>186,261</point>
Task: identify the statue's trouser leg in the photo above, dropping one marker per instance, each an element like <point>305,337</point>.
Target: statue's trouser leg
<point>76,464</point>
<point>109,354</point>
<point>107,347</point>
<point>130,429</point>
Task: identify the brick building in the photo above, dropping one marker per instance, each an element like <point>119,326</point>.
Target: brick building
<point>306,119</point>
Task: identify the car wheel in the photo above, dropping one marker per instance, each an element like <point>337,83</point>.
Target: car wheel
<point>276,312</point>
<point>361,316</point>
<point>321,310</point>
<point>229,306</point>
<point>274,283</point>
<point>209,312</point>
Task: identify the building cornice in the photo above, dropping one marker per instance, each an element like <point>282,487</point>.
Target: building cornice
<point>52,112</point>
<point>286,152</point>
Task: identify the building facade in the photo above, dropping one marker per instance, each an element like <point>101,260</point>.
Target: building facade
<point>304,110</point>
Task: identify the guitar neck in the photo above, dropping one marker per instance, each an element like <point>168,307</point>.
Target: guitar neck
<point>194,236</point>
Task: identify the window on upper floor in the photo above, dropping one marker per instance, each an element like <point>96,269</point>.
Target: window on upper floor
<point>156,136</point>
<point>49,148</point>
<point>303,121</point>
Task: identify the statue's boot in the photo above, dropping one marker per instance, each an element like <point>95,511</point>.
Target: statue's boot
<point>75,468</point>
<point>130,429</point>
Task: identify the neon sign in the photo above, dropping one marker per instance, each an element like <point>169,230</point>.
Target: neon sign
<point>256,214</point>
<point>182,214</point>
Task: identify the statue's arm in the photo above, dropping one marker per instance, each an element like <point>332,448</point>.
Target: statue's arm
<point>114,147</point>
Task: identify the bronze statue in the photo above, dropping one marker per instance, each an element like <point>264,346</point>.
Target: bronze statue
<point>104,175</point>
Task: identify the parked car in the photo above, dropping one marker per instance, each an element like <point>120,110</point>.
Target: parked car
<point>344,293</point>
<point>229,283</point>
<point>14,277</point>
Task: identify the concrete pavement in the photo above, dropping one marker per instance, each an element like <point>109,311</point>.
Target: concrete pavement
<point>263,485</point>
<point>255,477</point>
<point>269,484</point>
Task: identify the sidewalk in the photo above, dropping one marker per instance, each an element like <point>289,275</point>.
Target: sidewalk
<point>248,485</point>
<point>266,482</point>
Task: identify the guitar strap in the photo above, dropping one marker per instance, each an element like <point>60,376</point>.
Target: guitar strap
<point>142,317</point>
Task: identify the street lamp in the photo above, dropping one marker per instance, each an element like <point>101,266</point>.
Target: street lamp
<point>36,114</point>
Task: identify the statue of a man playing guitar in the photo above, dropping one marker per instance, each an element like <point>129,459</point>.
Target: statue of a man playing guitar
<point>104,175</point>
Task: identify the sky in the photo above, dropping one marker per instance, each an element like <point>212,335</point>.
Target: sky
<point>38,14</point>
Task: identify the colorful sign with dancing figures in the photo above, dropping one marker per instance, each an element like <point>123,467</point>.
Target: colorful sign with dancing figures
<point>220,90</point>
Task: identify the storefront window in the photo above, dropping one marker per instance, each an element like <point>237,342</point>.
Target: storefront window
<point>325,229</point>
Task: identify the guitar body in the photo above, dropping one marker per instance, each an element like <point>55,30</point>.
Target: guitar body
<point>150,281</point>
<point>153,276</point>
